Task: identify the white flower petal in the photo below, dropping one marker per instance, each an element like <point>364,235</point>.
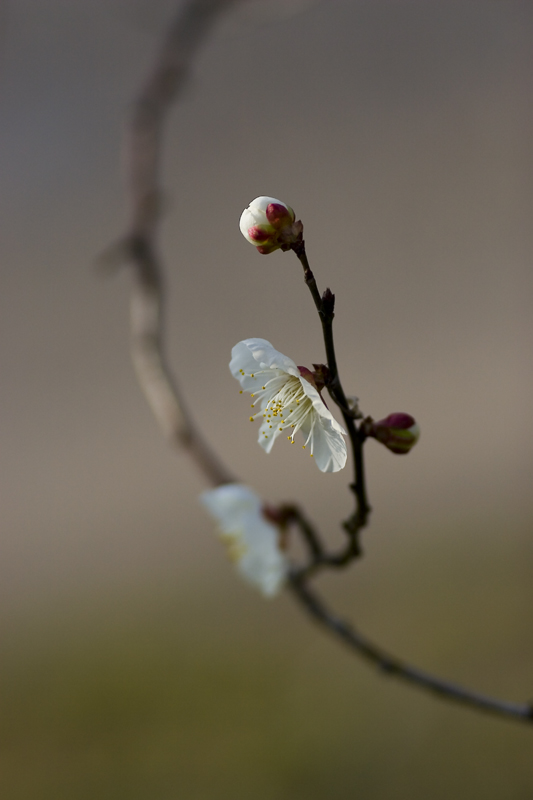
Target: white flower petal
<point>264,357</point>
<point>251,539</point>
<point>268,433</point>
<point>229,502</point>
<point>255,214</point>
<point>263,202</point>
<point>325,443</point>
<point>318,404</point>
<point>263,565</point>
<point>243,366</point>
<point>326,438</point>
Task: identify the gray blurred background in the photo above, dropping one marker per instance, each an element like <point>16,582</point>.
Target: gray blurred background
<point>135,664</point>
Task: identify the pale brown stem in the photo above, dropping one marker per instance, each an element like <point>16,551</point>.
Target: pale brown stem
<point>141,156</point>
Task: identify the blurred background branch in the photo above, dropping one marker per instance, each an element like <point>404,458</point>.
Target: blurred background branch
<point>142,158</point>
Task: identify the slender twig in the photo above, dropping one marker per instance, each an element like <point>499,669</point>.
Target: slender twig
<point>325,305</point>
<point>318,555</point>
<point>391,665</point>
<point>292,514</point>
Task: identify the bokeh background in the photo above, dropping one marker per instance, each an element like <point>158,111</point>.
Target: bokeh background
<point>134,662</point>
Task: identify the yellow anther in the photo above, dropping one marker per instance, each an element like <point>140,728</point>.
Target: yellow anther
<point>252,375</point>
<point>303,446</point>
<point>263,387</point>
<point>270,426</point>
<point>252,395</point>
<point>240,392</point>
<point>281,429</point>
<point>311,455</point>
<point>251,419</point>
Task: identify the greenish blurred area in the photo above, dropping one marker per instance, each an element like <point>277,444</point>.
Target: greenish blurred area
<point>155,693</point>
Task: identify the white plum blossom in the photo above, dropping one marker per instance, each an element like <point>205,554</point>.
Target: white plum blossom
<point>269,224</point>
<point>288,400</point>
<point>253,542</point>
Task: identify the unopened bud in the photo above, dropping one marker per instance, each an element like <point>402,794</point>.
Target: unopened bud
<point>398,432</point>
<point>328,303</point>
<point>270,225</point>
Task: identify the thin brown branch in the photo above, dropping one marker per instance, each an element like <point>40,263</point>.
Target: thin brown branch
<point>325,305</point>
<point>390,665</point>
<point>319,558</point>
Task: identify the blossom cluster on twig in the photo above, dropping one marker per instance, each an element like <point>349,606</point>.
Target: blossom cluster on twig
<point>287,399</point>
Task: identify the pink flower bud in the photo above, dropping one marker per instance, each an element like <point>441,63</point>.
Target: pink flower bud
<point>270,225</point>
<point>399,432</point>
<point>279,215</point>
<point>258,235</point>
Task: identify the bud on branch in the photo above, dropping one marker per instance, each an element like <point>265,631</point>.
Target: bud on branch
<point>270,225</point>
<point>399,432</point>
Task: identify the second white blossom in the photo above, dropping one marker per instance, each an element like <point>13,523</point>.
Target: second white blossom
<point>288,400</point>
<point>253,541</point>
